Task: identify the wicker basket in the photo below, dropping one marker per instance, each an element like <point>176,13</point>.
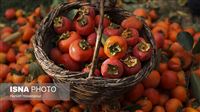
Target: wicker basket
<point>87,90</point>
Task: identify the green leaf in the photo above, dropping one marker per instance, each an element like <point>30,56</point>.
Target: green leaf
<point>186,40</point>
<point>196,48</point>
<point>35,70</point>
<point>71,14</point>
<point>104,38</point>
<point>195,86</point>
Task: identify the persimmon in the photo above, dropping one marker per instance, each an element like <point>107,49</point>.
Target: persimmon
<point>37,12</point>
<point>75,109</point>
<point>44,79</point>
<point>2,57</point>
<point>58,108</point>
<point>132,22</point>
<point>8,78</point>
<point>4,70</point>
<point>180,93</point>
<point>152,80</point>
<point>40,107</point>
<point>169,79</point>
<point>68,104</point>
<point>190,109</point>
<point>135,92</point>
<point>163,99</point>
<point>140,12</point>
<point>174,64</point>
<point>19,13</point>
<point>23,108</point>
<point>181,78</point>
<point>5,105</point>
<point>23,47</point>
<point>18,78</point>
<point>176,47</point>
<point>186,58</point>
<point>153,95</point>
<point>83,106</point>
<point>11,55</point>
<point>159,29</point>
<point>172,105</point>
<point>34,102</point>
<point>7,29</point>
<point>173,34</point>
<point>153,14</point>
<point>145,104</point>
<point>50,99</point>
<point>190,30</point>
<point>167,44</point>
<point>28,32</point>
<point>10,13</point>
<point>22,60</point>
<point>164,23</point>
<point>21,21</point>
<point>158,109</point>
<point>162,67</point>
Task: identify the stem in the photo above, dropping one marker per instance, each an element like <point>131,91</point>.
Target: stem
<point>12,37</point>
<point>97,45</point>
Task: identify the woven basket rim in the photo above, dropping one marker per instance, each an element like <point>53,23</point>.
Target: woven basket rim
<point>46,62</point>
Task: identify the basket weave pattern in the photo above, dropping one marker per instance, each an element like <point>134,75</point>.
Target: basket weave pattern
<point>95,89</point>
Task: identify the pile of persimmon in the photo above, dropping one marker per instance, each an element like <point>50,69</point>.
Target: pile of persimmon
<point>122,53</point>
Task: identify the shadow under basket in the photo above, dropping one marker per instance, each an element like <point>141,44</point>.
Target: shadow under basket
<point>97,89</point>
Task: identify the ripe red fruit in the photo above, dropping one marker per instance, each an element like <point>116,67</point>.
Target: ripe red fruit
<point>92,39</point>
<point>10,13</point>
<point>132,22</point>
<point>66,39</point>
<point>142,51</point>
<point>132,65</point>
<point>135,92</point>
<point>169,79</point>
<point>4,47</point>
<point>55,55</point>
<point>69,63</point>
<point>106,20</point>
<point>159,39</point>
<point>87,10</point>
<point>5,105</point>
<point>23,108</point>
<point>174,64</point>
<point>11,55</point>
<point>112,30</point>
<point>153,95</point>
<point>87,70</point>
<point>6,29</point>
<point>115,46</point>
<point>80,50</point>
<point>131,35</point>
<point>112,68</point>
<point>84,25</point>
<point>62,24</point>
<point>4,70</point>
<point>152,80</point>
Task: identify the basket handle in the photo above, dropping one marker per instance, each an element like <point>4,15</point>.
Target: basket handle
<point>98,40</point>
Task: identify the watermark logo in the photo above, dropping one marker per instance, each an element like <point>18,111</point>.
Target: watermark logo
<point>48,91</point>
